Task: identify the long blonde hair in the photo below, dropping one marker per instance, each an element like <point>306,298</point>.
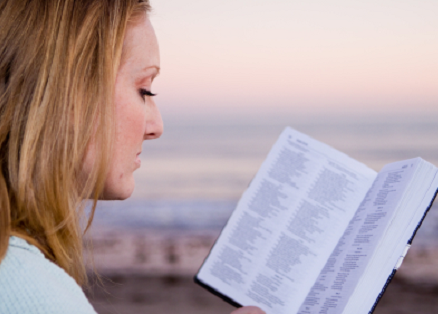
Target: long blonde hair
<point>58,63</point>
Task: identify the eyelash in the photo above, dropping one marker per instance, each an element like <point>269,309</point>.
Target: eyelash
<point>144,92</point>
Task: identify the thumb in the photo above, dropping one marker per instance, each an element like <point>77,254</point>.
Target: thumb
<point>248,310</point>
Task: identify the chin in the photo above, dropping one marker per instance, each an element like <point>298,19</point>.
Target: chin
<point>118,193</point>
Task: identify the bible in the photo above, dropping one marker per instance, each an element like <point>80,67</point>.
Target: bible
<point>317,231</point>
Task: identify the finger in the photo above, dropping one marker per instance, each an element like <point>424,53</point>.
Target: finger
<point>248,310</point>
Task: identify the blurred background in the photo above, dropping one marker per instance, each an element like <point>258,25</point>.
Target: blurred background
<point>361,76</point>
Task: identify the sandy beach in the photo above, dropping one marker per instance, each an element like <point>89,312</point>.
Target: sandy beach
<point>152,272</point>
<point>179,295</point>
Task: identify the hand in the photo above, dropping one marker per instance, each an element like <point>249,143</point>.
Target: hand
<point>248,310</point>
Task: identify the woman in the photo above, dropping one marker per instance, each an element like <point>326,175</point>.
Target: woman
<point>75,107</point>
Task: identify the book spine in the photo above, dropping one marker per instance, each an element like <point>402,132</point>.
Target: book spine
<point>217,293</point>
<point>399,262</point>
<point>391,276</point>
<point>422,219</point>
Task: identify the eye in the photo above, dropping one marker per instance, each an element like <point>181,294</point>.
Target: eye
<point>144,93</point>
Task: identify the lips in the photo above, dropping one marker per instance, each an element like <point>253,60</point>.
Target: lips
<point>137,159</point>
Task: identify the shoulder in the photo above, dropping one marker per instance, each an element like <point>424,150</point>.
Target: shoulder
<point>30,283</point>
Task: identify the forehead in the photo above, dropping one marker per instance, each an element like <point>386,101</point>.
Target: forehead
<point>140,47</point>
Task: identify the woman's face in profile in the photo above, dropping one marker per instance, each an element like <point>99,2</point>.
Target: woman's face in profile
<point>136,115</point>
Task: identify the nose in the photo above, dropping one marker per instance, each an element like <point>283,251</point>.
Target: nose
<point>154,122</point>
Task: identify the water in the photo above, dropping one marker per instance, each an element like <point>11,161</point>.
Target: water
<point>193,176</point>
<point>164,214</point>
<point>201,215</point>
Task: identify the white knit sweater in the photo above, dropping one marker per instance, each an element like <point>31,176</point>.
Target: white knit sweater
<point>30,283</point>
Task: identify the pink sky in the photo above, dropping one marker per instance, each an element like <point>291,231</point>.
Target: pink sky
<point>302,54</point>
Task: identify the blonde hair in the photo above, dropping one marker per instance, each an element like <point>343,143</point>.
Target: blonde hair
<point>58,63</point>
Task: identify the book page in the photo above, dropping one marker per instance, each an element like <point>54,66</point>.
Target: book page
<point>393,246</point>
<point>343,270</point>
<point>286,224</point>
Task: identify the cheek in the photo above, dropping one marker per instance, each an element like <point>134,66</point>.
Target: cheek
<point>130,124</point>
<point>130,128</point>
<point>129,116</point>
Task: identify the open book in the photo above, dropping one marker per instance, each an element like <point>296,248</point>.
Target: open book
<point>318,232</point>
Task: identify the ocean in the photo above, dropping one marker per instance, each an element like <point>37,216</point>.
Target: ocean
<point>192,178</point>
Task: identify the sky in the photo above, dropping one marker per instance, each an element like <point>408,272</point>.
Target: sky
<point>304,55</point>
